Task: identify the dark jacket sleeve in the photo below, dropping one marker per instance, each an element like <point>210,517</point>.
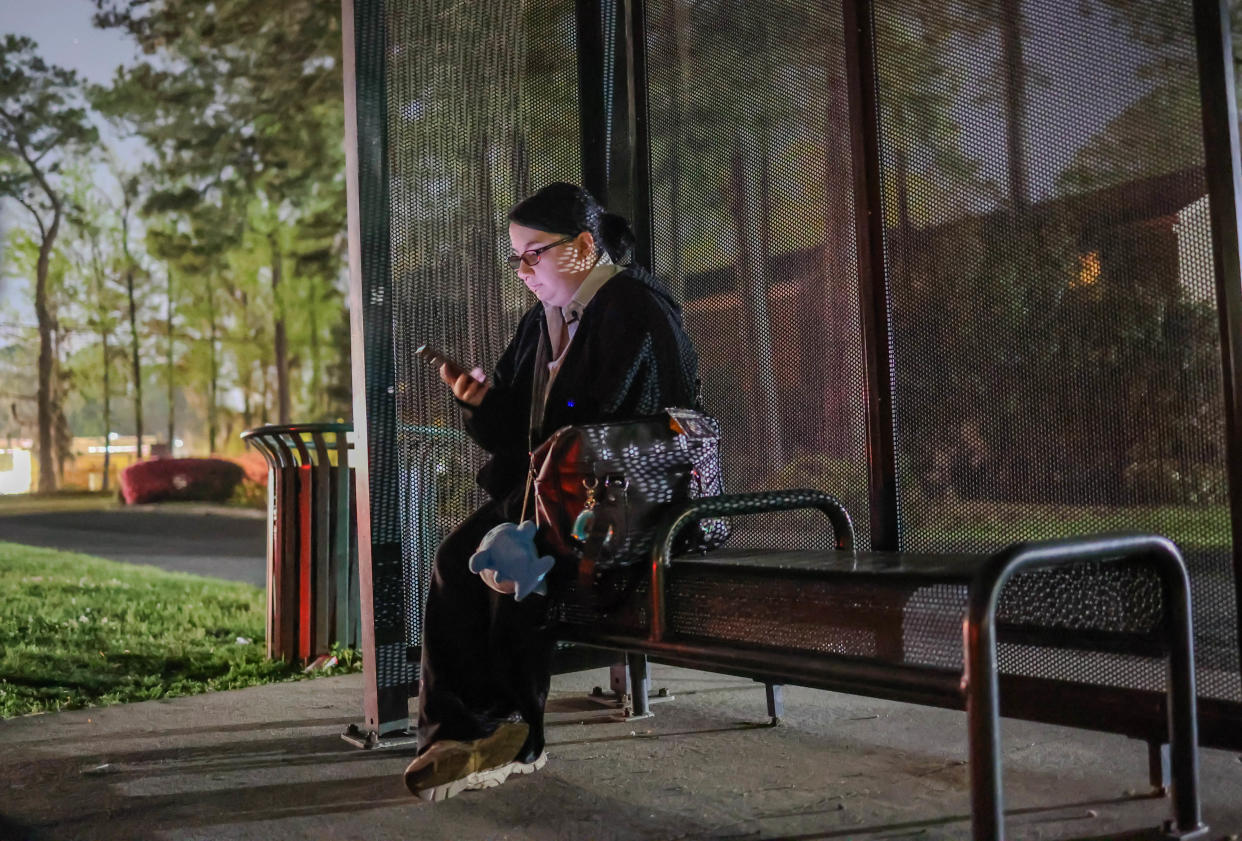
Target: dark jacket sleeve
<point>498,424</point>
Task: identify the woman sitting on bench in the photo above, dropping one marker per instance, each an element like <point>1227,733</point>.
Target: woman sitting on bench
<point>604,342</point>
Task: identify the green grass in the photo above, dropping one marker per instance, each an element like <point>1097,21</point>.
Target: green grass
<point>1191,526</point>
<point>79,631</point>
<point>59,501</point>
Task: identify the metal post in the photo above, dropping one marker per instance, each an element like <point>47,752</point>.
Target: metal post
<point>1158,767</point>
<point>343,547</point>
<point>283,643</point>
<point>592,109</point>
<point>305,544</point>
<point>640,684</point>
<point>322,472</point>
<point>619,105</point>
<point>273,535</point>
<point>987,817</point>
<point>1183,725</point>
<point>386,694</point>
<point>1224,182</point>
<point>776,702</point>
<point>612,101</point>
<point>873,297</point>
<point>641,139</point>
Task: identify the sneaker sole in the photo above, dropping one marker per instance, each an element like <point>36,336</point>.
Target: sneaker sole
<point>454,759</point>
<point>479,780</point>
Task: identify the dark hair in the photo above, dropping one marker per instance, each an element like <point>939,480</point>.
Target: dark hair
<point>567,209</point>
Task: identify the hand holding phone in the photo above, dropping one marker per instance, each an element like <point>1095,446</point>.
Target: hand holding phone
<point>469,384</point>
<point>437,358</point>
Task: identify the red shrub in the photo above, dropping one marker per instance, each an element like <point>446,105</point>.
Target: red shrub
<point>160,480</point>
<point>253,463</point>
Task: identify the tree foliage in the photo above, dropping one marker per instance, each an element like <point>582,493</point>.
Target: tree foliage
<point>214,272</point>
<point>42,124</point>
<point>240,102</point>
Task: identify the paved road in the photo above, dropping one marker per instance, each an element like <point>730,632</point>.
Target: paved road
<point>217,544</point>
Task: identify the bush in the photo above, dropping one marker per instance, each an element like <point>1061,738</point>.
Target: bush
<point>253,463</point>
<point>180,479</point>
<point>1170,480</point>
<point>250,494</point>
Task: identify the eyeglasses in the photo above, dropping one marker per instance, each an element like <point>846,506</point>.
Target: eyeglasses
<point>531,257</point>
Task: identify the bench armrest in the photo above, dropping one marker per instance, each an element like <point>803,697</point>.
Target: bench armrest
<point>980,680</point>
<point>683,514</point>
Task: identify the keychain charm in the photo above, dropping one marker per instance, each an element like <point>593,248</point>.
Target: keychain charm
<point>586,517</point>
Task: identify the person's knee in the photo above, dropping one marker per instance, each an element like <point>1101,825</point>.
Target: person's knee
<point>452,558</point>
<point>451,562</point>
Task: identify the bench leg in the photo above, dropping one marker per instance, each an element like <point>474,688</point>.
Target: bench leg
<point>640,683</point>
<point>776,702</point>
<point>987,817</point>
<point>1187,821</point>
<point>619,678</point>
<point>1158,768</point>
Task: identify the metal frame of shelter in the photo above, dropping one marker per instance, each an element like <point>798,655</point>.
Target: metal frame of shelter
<point>615,166</point>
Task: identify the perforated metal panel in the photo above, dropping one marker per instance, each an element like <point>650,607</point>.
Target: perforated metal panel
<point>752,223</point>
<point>393,676</point>
<point>482,110</point>
<point>1056,343</point>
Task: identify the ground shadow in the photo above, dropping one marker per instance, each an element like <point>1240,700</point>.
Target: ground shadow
<point>340,721</point>
<point>919,826</point>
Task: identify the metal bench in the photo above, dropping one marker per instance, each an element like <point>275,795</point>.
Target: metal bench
<point>795,618</point>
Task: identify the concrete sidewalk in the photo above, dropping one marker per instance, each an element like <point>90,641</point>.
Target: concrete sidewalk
<point>267,763</point>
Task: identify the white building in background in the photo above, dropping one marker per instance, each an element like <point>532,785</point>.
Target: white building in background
<point>16,469</point>
<point>19,471</point>
<point>1194,252</point>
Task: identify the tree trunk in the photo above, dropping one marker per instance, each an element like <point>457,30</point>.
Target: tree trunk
<point>482,238</point>
<point>678,22</point>
<point>264,396</point>
<point>281,341</point>
<point>107,413</point>
<point>214,365</point>
<point>60,424</point>
<point>1014,73</point>
<point>172,410</point>
<point>47,460</point>
<point>901,183</point>
<point>840,429</point>
<point>316,392</point>
<point>135,361</point>
<point>745,203</point>
<point>97,272</point>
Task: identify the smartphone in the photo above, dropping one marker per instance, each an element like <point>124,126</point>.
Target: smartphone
<point>436,358</point>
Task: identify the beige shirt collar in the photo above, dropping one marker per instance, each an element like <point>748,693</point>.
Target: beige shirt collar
<point>596,278</point>
<point>571,314</point>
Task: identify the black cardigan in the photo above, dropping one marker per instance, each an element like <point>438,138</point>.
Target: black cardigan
<point>630,357</point>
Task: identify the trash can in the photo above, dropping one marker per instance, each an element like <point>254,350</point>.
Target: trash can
<point>312,543</point>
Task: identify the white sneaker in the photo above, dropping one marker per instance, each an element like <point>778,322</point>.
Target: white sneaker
<point>488,778</point>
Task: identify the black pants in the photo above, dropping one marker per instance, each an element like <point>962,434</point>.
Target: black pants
<point>486,656</point>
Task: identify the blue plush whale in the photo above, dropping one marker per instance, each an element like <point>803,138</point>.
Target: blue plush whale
<point>509,549</point>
